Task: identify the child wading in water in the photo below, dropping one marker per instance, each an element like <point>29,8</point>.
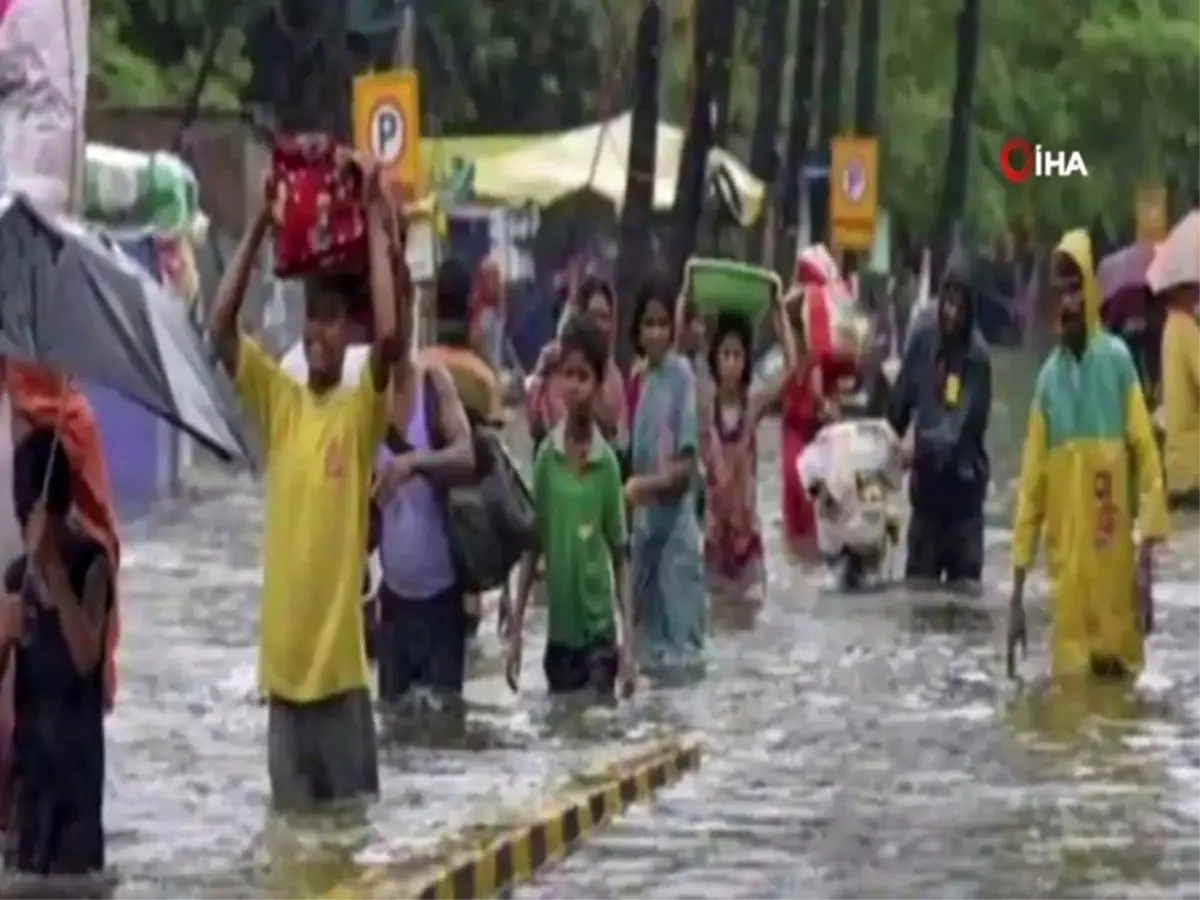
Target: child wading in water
<point>733,547</point>
<point>582,535</point>
<point>668,565</point>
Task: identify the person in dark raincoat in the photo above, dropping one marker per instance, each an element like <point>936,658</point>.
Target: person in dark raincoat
<point>944,391</point>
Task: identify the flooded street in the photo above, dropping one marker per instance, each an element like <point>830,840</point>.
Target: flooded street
<point>853,747</point>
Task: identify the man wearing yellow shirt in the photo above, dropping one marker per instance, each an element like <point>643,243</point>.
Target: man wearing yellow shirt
<point>320,440</point>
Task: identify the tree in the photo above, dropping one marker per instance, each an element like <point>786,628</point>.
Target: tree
<point>764,153</point>
<point>148,52</point>
<point>803,77</point>
<point>639,180</point>
<point>954,186</point>
<point>712,42</point>
<point>1116,79</point>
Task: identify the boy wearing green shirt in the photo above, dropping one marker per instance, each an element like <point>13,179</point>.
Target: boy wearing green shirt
<point>582,535</point>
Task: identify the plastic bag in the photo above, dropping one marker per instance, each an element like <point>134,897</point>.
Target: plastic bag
<point>856,472</point>
<point>43,89</point>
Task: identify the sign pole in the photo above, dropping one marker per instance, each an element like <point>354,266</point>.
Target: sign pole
<point>404,52</point>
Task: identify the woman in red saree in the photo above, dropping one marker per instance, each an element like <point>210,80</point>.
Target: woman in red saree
<point>819,359</point>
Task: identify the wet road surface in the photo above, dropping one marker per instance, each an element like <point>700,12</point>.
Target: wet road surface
<point>854,746</point>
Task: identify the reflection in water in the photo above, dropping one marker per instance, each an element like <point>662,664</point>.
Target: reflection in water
<point>733,614</point>
<point>853,746</point>
<point>952,615</point>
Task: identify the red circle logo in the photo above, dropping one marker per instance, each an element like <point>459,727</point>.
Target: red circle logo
<point>1016,160</point>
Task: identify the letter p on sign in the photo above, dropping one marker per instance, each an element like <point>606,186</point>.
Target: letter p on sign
<point>388,130</point>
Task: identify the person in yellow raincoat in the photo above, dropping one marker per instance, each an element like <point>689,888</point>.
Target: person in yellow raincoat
<point>1181,397</point>
<point>1174,276</point>
<point>1089,469</point>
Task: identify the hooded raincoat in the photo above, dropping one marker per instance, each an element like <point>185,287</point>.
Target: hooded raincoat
<point>1175,272</point>
<point>1181,402</point>
<point>1089,469</point>
<point>944,391</point>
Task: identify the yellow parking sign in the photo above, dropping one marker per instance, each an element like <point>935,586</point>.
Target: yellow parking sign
<point>853,192</point>
<point>387,123</point>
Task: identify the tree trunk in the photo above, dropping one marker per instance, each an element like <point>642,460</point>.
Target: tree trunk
<point>639,178</point>
<point>803,78</point>
<point>721,64</point>
<point>830,118</point>
<point>958,157</point>
<point>866,93</point>
<point>866,89</point>
<point>720,61</point>
<point>764,156</point>
<point>689,189</point>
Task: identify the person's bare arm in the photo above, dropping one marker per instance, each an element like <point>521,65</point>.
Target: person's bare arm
<point>456,457</point>
<point>671,478</point>
<point>387,342</point>
<point>676,473</point>
<point>766,397</point>
<point>82,619</point>
<point>223,321</point>
<point>783,325</point>
<point>526,575</point>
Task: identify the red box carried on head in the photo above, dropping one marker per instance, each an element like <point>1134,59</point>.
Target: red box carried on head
<point>315,193</point>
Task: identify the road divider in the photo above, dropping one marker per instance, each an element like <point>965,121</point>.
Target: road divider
<point>490,862</point>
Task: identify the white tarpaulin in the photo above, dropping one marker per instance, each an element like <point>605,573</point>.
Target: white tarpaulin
<point>858,469</point>
<point>43,89</point>
<point>596,157</point>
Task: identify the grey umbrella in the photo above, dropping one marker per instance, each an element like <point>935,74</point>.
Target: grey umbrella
<point>73,301</point>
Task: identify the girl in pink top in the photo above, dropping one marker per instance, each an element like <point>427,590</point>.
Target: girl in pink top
<point>729,417</point>
<point>544,402</point>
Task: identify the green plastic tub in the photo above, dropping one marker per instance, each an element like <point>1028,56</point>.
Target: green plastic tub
<point>720,286</point>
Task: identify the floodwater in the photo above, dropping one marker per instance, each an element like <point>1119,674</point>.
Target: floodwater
<point>854,747</point>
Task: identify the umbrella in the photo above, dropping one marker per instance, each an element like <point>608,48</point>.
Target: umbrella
<point>77,303</point>
<point>1122,277</point>
<point>1177,261</point>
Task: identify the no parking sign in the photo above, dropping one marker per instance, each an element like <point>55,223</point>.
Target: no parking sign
<point>387,124</point>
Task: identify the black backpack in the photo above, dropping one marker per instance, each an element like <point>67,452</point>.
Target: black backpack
<point>490,519</point>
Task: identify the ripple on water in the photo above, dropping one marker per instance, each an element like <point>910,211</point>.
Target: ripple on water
<point>855,747</point>
<point>879,752</point>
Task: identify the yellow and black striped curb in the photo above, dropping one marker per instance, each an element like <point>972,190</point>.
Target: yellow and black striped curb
<point>517,856</point>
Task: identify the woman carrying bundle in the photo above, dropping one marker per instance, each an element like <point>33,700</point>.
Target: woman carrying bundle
<point>819,357</point>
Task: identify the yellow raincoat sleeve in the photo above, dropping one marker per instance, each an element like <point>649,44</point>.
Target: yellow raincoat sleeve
<point>1031,491</point>
<point>1153,520</point>
<point>1191,355</point>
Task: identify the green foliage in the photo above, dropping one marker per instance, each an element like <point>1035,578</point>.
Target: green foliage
<point>1117,80</point>
<point>148,52</point>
